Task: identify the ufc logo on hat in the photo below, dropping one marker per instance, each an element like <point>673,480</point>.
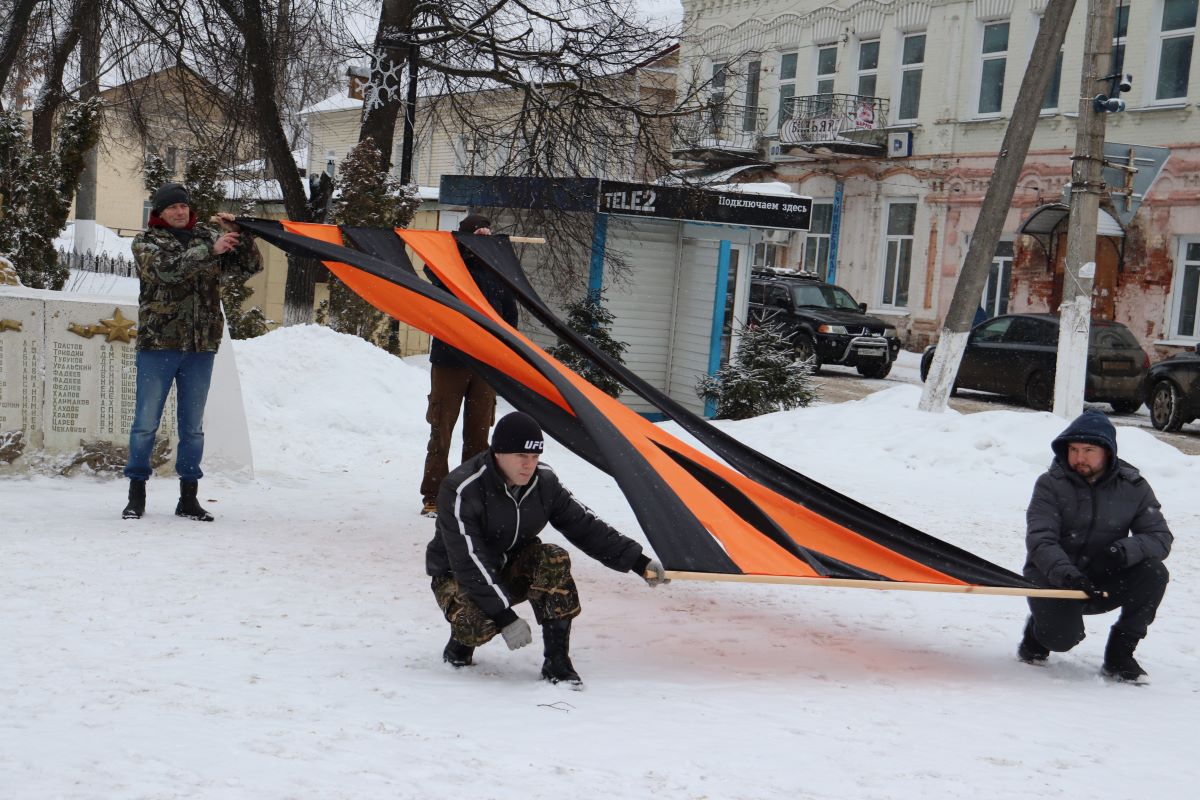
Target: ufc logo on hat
<point>533,444</point>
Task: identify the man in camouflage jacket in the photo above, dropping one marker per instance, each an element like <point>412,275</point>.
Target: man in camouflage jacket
<point>180,264</point>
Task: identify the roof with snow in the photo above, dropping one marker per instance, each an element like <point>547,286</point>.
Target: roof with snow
<point>338,102</point>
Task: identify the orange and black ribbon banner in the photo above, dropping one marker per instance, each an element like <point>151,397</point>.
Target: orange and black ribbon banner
<point>743,513</point>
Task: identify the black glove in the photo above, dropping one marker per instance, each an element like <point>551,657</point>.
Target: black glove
<point>1107,562</point>
<point>1074,579</point>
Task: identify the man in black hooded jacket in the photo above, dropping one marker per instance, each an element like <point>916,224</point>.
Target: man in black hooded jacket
<point>1094,525</point>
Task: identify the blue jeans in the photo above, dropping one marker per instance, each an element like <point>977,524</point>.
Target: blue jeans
<point>156,370</point>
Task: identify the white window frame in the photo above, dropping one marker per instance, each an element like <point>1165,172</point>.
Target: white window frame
<point>1045,109</point>
<point>984,58</point>
<point>1161,37</point>
<point>464,153</point>
<point>818,77</point>
<point>767,254</point>
<point>785,83</point>
<point>718,94</point>
<point>500,153</point>
<point>739,309</point>
<point>824,241</point>
<point>718,81</point>
<point>870,72</point>
<point>1003,263</point>
<point>905,69</point>
<point>1177,292</point>
<point>1122,41</point>
<point>751,91</point>
<point>898,239</point>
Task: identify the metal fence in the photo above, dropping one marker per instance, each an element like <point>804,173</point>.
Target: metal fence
<point>818,118</point>
<point>98,262</point>
<point>723,126</point>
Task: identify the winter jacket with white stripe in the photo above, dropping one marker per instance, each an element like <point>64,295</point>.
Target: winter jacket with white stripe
<point>480,527</point>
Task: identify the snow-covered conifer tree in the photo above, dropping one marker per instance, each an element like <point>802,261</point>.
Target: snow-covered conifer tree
<point>590,318</point>
<point>38,188</point>
<point>763,376</point>
<point>370,197</point>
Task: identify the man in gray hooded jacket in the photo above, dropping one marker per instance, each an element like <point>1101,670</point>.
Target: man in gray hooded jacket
<point>1095,525</point>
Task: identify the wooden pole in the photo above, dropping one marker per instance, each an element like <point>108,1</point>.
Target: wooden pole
<point>1087,187</point>
<point>853,583</point>
<point>528,239</point>
<point>997,202</point>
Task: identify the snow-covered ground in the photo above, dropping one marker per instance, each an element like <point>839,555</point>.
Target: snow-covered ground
<point>291,649</point>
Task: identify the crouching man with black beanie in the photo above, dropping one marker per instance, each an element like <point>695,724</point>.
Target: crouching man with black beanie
<point>486,557</point>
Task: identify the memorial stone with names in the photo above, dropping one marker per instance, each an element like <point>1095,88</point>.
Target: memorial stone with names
<point>68,375</point>
<point>21,336</point>
<point>91,383</point>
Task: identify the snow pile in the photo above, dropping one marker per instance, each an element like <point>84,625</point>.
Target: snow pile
<point>82,282</point>
<point>292,647</point>
<point>108,242</point>
<point>361,415</point>
<point>772,188</point>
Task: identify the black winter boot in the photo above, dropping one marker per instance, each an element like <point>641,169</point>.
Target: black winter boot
<point>136,506</point>
<point>458,654</point>
<point>1031,651</point>
<point>557,668</point>
<point>188,506</point>
<point>1119,663</point>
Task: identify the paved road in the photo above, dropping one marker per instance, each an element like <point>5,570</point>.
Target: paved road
<point>839,385</point>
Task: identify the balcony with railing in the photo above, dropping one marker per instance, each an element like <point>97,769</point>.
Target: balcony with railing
<point>721,132</point>
<point>848,123</point>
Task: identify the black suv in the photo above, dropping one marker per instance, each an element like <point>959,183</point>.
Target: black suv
<point>823,321</point>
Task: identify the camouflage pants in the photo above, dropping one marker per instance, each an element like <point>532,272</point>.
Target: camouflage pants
<point>539,573</point>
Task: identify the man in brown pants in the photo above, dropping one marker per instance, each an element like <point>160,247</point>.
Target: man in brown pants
<point>454,386</point>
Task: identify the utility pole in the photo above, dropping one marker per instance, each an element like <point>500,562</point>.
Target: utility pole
<point>407,168</point>
<point>1087,187</point>
<point>996,203</point>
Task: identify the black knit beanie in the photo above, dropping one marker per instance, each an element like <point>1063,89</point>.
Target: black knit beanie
<point>517,433</point>
<point>168,195</point>
<point>473,222</point>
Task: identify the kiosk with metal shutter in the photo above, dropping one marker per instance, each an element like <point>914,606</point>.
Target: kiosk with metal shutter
<point>689,252</point>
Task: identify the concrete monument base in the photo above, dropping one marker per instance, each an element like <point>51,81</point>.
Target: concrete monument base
<point>68,384</point>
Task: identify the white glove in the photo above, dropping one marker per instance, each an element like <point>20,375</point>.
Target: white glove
<point>517,634</point>
<point>655,575</point>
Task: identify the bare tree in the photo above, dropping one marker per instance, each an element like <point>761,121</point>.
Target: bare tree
<point>553,79</point>
<point>53,93</point>
<point>256,64</point>
<point>541,88</point>
<point>543,85</point>
<point>39,175</point>
<point>18,13</point>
